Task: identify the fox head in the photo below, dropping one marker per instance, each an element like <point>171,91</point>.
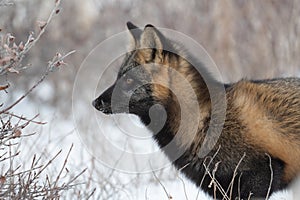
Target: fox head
<point>148,79</point>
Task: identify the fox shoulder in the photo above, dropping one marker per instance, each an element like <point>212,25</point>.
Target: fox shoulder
<point>270,112</point>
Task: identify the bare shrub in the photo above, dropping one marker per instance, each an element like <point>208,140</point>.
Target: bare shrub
<point>17,182</point>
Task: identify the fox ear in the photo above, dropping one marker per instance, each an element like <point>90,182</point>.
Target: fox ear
<point>135,32</point>
<point>151,41</point>
<point>151,38</point>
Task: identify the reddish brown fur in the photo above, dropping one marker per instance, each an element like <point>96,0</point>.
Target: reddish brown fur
<point>276,137</point>
<point>266,131</point>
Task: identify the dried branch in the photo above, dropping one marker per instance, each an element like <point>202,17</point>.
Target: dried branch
<point>215,182</point>
<point>13,53</point>
<point>25,119</point>
<point>63,167</point>
<point>271,180</point>
<point>162,185</point>
<point>45,166</point>
<point>234,175</point>
<point>183,185</point>
<point>15,181</point>
<point>54,64</point>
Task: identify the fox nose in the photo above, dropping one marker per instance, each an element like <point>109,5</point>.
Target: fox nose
<point>103,102</point>
<point>94,103</point>
<point>97,105</point>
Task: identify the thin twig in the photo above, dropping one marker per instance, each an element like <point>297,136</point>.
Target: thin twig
<point>53,12</point>
<point>216,183</point>
<point>271,180</point>
<point>63,167</point>
<point>250,195</point>
<point>239,185</point>
<point>48,163</point>
<point>184,188</point>
<point>25,119</point>
<point>91,194</point>
<point>26,94</point>
<point>31,41</point>
<point>234,175</point>
<point>213,180</point>
<point>52,64</point>
<point>166,192</point>
<point>146,194</point>
<point>210,162</point>
<point>73,179</point>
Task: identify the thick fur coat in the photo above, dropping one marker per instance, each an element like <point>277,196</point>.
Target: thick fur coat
<point>258,151</point>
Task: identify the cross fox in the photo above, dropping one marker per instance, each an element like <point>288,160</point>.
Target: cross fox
<point>258,149</point>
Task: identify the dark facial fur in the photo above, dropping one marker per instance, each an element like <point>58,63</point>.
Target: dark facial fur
<point>261,128</point>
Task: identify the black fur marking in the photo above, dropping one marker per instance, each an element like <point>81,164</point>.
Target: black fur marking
<point>149,25</point>
<point>131,26</point>
<point>153,54</point>
<point>256,180</point>
<point>134,30</point>
<point>128,64</point>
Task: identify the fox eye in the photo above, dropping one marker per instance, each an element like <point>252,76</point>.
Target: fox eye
<point>129,81</point>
